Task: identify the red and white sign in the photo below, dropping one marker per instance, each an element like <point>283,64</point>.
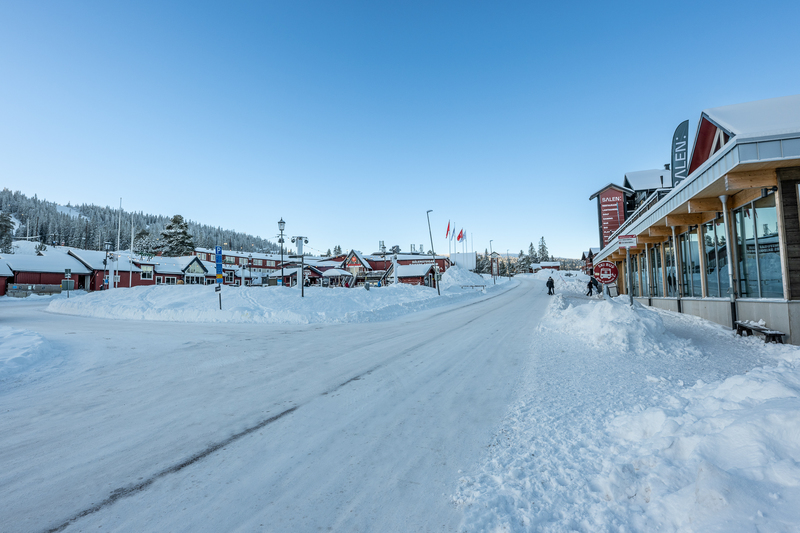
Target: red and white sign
<point>606,272</point>
<point>612,212</point>
<point>627,241</point>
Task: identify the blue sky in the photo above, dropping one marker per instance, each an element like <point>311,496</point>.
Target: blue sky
<point>351,119</point>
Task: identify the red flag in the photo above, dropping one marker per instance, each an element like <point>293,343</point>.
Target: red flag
<point>460,235</point>
<point>448,230</point>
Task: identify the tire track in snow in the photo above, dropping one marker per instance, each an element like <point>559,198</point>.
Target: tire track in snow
<point>131,490</point>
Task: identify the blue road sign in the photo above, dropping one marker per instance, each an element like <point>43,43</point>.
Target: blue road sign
<point>218,250</point>
<point>219,268</point>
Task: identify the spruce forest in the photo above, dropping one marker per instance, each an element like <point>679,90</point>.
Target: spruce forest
<point>90,226</point>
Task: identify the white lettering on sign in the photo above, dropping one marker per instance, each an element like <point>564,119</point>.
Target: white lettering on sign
<point>680,157</point>
<point>609,199</point>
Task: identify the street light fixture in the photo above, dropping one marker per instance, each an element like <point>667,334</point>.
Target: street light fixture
<point>433,253</point>
<point>281,226</point>
<point>250,264</point>
<point>300,241</point>
<point>491,260</point>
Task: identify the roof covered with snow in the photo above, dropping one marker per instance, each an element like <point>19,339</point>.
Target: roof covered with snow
<point>94,259</point>
<point>773,116</point>
<point>51,263</point>
<point>4,270</point>
<point>643,180</point>
<point>175,265</point>
<point>411,271</point>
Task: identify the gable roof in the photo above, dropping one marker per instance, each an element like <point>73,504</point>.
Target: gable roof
<point>50,263</point>
<point>358,255</point>
<point>772,116</point>
<point>620,188</point>
<point>410,271</point>
<point>177,265</point>
<point>645,180</point>
<point>93,260</point>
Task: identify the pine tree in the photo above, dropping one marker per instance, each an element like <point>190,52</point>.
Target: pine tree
<point>543,255</point>
<point>6,234</point>
<point>328,253</point>
<point>177,241</point>
<point>337,250</point>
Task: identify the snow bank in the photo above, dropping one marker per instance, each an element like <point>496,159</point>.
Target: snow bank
<point>612,324</point>
<point>724,453</point>
<point>20,349</point>
<point>274,305</point>
<point>606,436</point>
<point>456,277</point>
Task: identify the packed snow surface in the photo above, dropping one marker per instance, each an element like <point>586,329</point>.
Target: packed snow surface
<point>273,305</point>
<point>496,409</point>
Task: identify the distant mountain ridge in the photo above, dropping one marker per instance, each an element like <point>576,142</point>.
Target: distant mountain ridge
<point>88,226</point>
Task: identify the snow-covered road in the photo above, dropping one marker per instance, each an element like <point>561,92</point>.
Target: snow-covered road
<point>154,426</point>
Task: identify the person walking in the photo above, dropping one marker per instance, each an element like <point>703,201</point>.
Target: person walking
<point>550,285</point>
<point>590,286</point>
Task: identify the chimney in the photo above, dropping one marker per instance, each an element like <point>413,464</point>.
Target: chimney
<point>666,166</point>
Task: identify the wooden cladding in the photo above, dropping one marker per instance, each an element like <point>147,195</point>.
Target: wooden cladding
<point>755,179</point>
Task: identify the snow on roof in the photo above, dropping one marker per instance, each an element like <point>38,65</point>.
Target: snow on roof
<point>411,271</point>
<point>611,186</point>
<point>94,259</point>
<point>237,253</point>
<point>763,117</point>
<point>549,264</point>
<point>54,262</point>
<point>4,270</point>
<point>643,180</point>
<point>175,265</point>
<point>336,272</point>
<point>361,258</point>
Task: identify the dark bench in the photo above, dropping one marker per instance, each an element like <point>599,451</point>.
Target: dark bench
<point>770,335</point>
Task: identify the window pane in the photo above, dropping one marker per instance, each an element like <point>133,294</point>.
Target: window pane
<point>746,250</point>
<point>711,260</point>
<point>643,269</point>
<point>722,257</point>
<point>694,251</point>
<point>769,256</point>
<point>669,265</point>
<point>657,281</point>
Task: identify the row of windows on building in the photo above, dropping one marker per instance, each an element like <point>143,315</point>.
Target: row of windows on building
<point>231,260</point>
<point>756,253</point>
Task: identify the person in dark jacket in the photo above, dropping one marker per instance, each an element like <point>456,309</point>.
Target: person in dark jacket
<point>590,286</point>
<point>550,285</point>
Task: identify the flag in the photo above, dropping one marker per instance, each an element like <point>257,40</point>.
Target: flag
<point>448,230</point>
<point>460,235</point>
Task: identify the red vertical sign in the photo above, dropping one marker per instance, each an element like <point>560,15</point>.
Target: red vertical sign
<point>612,212</point>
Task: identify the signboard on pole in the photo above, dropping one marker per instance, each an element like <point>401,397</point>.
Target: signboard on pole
<point>627,241</point>
<point>218,254</point>
<point>606,272</point>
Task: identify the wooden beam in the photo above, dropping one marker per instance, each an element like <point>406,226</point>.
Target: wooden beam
<point>744,197</point>
<point>660,231</point>
<point>650,240</point>
<point>685,220</point>
<point>705,205</point>
<point>755,179</point>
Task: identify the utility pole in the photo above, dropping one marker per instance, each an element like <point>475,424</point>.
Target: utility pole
<point>433,252</point>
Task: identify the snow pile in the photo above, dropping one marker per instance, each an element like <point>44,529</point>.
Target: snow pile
<point>606,435</point>
<point>612,324</point>
<point>575,283</point>
<point>719,453</point>
<point>191,303</point>
<point>20,349</point>
<point>456,277</point>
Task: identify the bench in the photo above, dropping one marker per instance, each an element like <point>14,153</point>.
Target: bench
<point>473,287</point>
<point>770,335</point>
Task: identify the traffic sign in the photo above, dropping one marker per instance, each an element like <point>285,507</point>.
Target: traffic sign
<point>627,241</point>
<point>218,250</point>
<point>219,269</point>
<point>606,272</point>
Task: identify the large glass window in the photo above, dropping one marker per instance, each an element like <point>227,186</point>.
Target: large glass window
<point>656,281</point>
<point>643,269</point>
<point>694,261</point>
<point>670,269</point>
<point>769,255</point>
<point>635,275</point>
<point>715,242</point>
<point>759,250</point>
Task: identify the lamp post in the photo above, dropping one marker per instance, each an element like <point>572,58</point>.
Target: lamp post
<point>433,253</point>
<point>281,226</point>
<point>491,260</point>
<point>250,265</point>
<point>508,263</point>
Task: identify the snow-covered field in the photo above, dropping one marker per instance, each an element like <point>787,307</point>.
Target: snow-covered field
<point>390,410</point>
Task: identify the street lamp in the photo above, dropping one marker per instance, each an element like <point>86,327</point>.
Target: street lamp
<point>250,264</point>
<point>433,253</point>
<point>107,246</point>
<point>281,226</point>
<point>508,264</point>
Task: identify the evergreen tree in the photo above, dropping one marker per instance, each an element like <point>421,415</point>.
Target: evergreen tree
<point>144,245</point>
<point>533,255</point>
<point>337,250</point>
<point>328,253</point>
<point>176,238</point>
<point>543,255</point>
<point>6,234</point>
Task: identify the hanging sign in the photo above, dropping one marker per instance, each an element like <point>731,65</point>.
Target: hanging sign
<point>606,272</point>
